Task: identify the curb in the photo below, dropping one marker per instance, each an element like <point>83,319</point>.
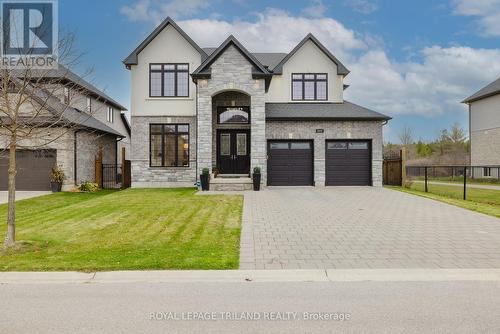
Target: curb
<point>249,276</point>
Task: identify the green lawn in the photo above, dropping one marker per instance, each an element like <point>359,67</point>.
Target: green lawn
<point>481,200</point>
<point>131,229</point>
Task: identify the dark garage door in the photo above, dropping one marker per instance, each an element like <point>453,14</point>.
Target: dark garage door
<point>290,163</point>
<point>348,163</point>
<point>33,169</point>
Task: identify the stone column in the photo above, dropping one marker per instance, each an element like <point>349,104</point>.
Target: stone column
<point>204,155</point>
<point>258,134</point>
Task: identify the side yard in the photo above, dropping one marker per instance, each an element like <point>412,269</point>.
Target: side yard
<point>485,201</point>
<point>131,229</point>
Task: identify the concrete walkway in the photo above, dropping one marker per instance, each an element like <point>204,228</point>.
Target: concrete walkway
<point>20,195</point>
<point>469,185</point>
<point>360,228</point>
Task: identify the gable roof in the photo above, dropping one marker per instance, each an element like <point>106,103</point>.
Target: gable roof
<point>341,69</point>
<point>231,40</point>
<point>132,59</point>
<point>490,90</point>
<point>321,111</point>
<point>62,72</point>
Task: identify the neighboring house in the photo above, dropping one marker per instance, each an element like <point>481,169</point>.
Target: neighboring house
<point>231,110</point>
<point>484,127</point>
<point>90,120</point>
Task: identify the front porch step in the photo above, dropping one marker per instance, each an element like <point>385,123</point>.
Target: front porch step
<point>231,184</point>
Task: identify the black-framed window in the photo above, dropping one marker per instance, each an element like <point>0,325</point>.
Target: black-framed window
<point>168,80</point>
<point>309,86</point>
<point>169,145</point>
<point>233,115</point>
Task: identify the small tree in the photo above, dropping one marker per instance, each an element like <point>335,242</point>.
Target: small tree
<point>406,136</point>
<point>35,110</point>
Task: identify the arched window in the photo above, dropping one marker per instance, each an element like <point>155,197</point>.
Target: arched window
<point>233,115</point>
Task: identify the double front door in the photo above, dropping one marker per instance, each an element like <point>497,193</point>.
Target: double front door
<point>233,151</point>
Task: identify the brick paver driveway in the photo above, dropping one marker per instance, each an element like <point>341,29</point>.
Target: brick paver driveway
<point>362,228</point>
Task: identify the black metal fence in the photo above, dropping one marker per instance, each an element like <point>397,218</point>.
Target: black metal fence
<point>111,176</point>
<point>481,177</point>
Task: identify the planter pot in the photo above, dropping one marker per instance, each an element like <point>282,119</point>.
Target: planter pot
<point>55,186</point>
<point>256,182</point>
<point>205,182</point>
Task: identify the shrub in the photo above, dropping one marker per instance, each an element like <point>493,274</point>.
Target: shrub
<point>256,170</point>
<point>57,174</point>
<point>88,187</point>
<point>205,171</point>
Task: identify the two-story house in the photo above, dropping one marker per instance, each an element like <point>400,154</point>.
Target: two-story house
<point>230,110</point>
<point>484,128</point>
<point>82,121</point>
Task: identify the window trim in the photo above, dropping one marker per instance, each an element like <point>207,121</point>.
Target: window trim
<point>315,81</point>
<point>221,109</point>
<point>176,134</point>
<point>163,71</point>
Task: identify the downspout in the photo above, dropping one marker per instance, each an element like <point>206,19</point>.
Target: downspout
<point>197,142</point>
<point>75,157</point>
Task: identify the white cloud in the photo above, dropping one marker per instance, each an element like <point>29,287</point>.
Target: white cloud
<point>267,32</point>
<point>431,87</point>
<point>486,11</point>
<point>316,9</point>
<point>158,10</point>
<point>362,6</point>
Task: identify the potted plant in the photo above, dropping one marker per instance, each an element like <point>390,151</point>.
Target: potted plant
<point>256,178</point>
<point>205,179</point>
<point>57,178</point>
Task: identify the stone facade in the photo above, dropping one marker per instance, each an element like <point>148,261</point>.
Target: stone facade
<point>88,143</point>
<point>145,176</point>
<point>368,130</point>
<point>231,72</point>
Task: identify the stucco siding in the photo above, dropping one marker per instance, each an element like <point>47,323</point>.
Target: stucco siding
<point>308,59</point>
<point>168,47</point>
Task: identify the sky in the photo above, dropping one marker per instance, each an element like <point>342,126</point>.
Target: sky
<point>412,60</point>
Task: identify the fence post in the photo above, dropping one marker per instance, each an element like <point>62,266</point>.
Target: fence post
<point>403,166</point>
<point>426,188</point>
<point>465,182</point>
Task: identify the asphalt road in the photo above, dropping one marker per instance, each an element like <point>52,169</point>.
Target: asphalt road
<point>371,307</point>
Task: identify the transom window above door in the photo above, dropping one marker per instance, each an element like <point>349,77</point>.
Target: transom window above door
<point>233,115</point>
<point>309,87</point>
<point>168,80</point>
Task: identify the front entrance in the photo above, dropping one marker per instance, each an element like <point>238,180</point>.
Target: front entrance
<point>233,151</point>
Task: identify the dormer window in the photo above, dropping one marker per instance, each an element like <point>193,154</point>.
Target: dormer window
<point>309,87</point>
<point>168,80</point>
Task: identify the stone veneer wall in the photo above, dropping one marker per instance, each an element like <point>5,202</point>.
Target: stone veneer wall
<point>231,72</point>
<point>333,130</point>
<point>87,146</point>
<point>157,177</point>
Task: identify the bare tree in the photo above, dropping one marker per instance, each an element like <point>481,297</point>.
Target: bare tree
<point>406,136</point>
<point>35,111</point>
